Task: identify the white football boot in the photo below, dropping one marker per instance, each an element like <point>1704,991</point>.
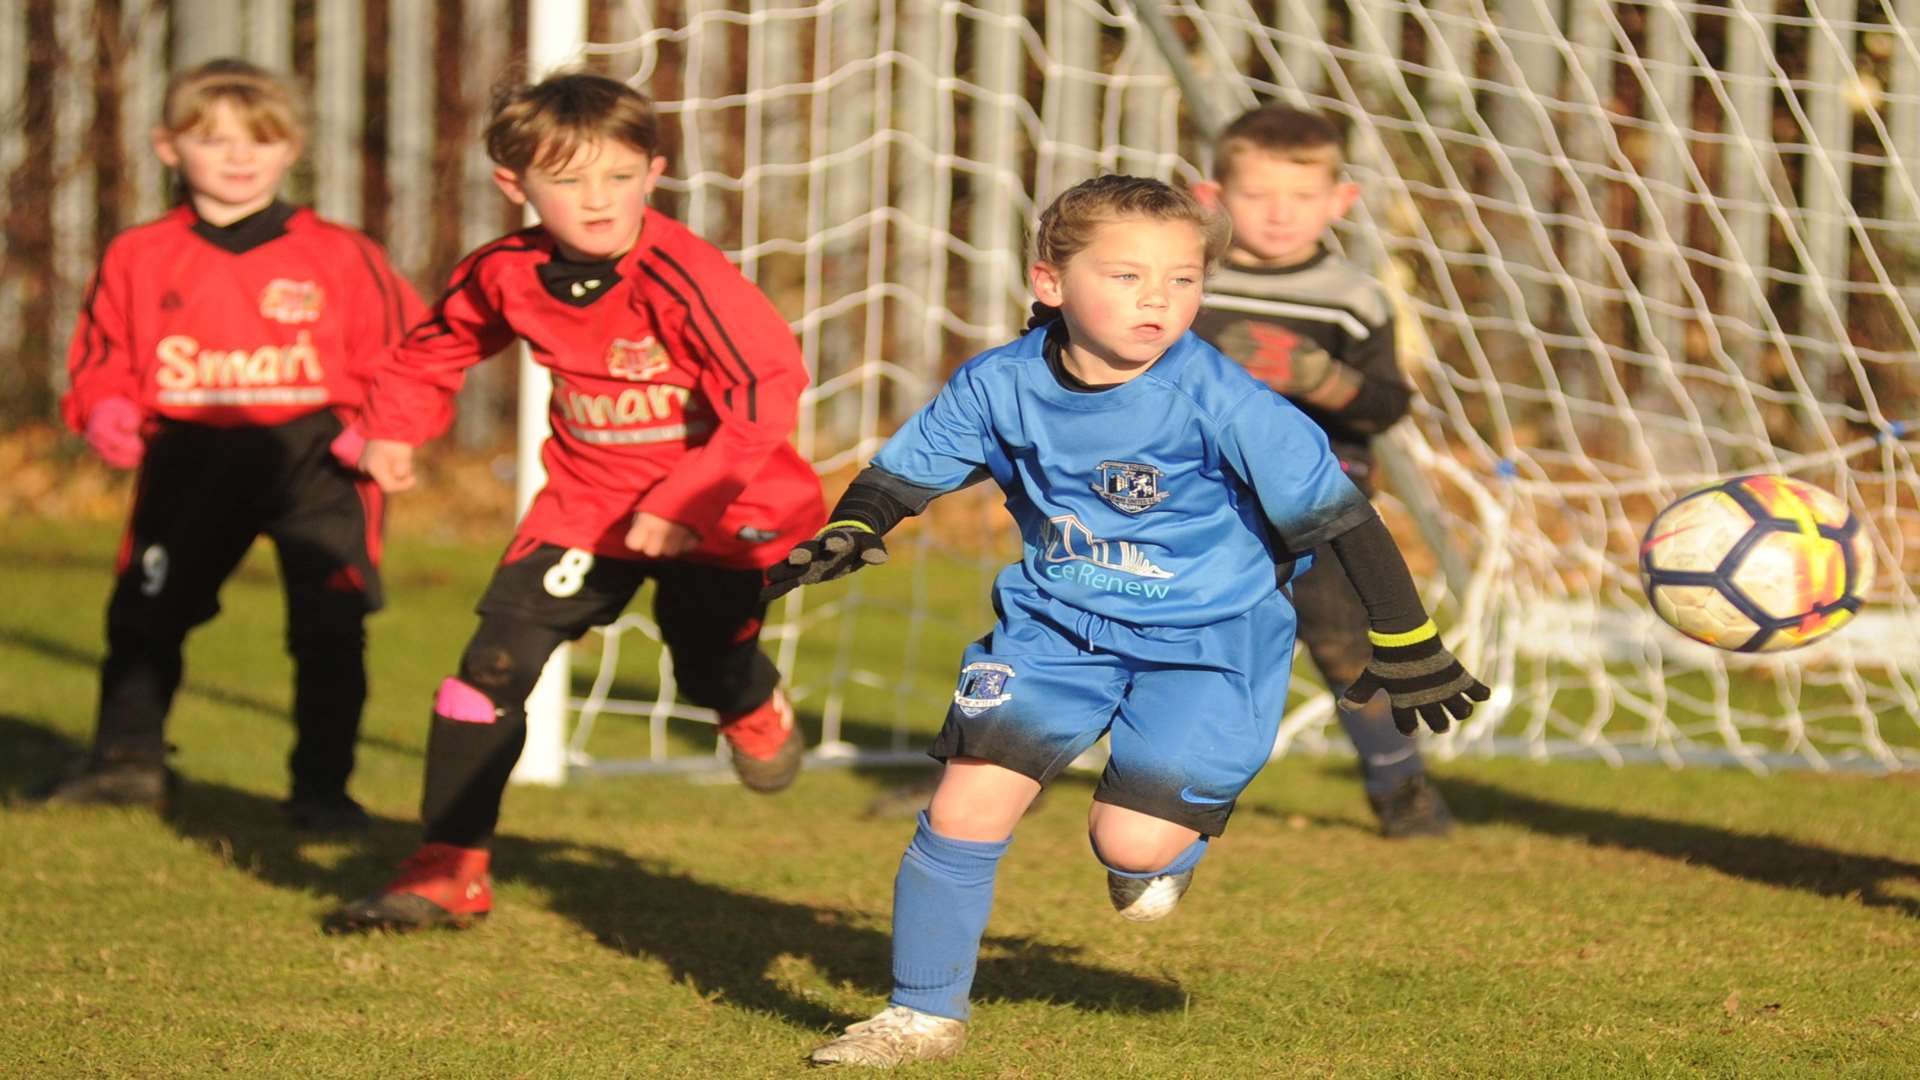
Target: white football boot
<point>1147,899</point>
<point>896,1036</point>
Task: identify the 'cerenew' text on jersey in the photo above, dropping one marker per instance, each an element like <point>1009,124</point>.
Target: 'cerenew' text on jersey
<point>1150,502</point>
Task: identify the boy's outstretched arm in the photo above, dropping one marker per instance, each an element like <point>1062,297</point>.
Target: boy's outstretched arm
<point>383,307</point>
<point>873,504</point>
<point>751,377</point>
<point>1421,678</point>
<point>943,448</point>
<point>411,384</point>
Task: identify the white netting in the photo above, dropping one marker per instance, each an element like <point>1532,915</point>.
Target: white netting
<point>1635,247</point>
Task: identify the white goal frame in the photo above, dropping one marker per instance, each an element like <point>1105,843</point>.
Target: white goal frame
<point>1581,324</point>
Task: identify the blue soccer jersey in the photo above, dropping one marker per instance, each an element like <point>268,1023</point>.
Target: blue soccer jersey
<point>1148,502</point>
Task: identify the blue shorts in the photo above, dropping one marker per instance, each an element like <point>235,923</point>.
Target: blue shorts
<point>1191,712</point>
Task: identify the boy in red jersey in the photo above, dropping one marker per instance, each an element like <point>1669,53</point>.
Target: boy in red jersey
<point>223,350</point>
<point>676,385</point>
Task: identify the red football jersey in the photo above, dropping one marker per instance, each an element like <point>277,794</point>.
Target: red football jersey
<point>255,323</point>
<point>675,387</point>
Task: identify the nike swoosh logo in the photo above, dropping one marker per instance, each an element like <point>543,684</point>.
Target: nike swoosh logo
<point>1188,795</point>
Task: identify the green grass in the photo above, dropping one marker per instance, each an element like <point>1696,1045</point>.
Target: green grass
<point>1581,922</point>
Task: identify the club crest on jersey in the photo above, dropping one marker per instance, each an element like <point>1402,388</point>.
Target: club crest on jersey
<point>983,686</point>
<point>1129,485</point>
<point>292,302</point>
<point>637,361</point>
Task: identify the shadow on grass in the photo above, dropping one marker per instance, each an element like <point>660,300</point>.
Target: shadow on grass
<point>721,941</point>
<point>1769,860</point>
<point>31,756</point>
<point>54,649</point>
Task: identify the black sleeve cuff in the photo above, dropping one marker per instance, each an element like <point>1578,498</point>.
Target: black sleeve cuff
<point>880,500</point>
<point>1379,574</point>
<point>1350,516</point>
<point>1378,405</point>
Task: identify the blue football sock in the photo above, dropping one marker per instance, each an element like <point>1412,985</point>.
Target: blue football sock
<point>1386,757</point>
<point>941,899</point>
<point>1186,860</point>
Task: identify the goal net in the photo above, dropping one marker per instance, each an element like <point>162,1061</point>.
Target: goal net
<point>1635,248</point>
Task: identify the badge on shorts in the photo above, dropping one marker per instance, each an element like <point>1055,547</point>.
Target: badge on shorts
<point>1129,485</point>
<point>983,686</point>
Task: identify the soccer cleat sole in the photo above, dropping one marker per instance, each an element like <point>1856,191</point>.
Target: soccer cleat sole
<point>1147,899</point>
<point>777,773</point>
<point>397,913</point>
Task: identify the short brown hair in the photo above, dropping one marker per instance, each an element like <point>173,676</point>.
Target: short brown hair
<point>1067,226</point>
<point>545,123</point>
<point>1303,136</point>
<point>266,103</point>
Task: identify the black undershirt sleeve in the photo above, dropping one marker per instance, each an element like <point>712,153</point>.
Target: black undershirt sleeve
<point>1383,395</point>
<point>1376,406</point>
<point>1379,574</point>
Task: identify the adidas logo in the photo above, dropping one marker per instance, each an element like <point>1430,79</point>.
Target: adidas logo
<point>582,288</point>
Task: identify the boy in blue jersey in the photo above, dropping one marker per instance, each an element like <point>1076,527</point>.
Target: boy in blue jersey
<point>1320,331</point>
<point>1155,484</point>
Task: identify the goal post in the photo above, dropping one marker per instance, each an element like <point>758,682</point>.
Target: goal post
<point>1633,248</point>
<point>556,36</point>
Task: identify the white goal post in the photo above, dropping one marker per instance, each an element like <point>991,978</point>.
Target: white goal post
<point>1634,248</point>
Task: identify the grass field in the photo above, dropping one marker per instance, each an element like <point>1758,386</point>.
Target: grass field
<point>1581,922</point>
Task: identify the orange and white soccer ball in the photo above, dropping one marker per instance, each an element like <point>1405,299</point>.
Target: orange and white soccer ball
<point>1756,564</point>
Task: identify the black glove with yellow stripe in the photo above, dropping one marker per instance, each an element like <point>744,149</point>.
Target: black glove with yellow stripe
<point>1421,678</point>
<point>836,551</point>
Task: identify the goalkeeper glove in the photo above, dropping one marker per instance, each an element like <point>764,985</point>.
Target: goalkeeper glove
<point>1421,679</point>
<point>838,550</point>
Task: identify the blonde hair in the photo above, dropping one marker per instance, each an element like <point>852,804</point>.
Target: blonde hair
<point>1067,226</point>
<point>1302,136</point>
<point>266,104</point>
<point>546,123</point>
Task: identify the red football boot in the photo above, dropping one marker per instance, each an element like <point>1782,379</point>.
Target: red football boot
<point>438,885</point>
<point>767,745</point>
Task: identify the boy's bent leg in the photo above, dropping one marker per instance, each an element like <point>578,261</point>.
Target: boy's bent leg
<point>1186,742</point>
<point>710,620</point>
<point>1149,861</point>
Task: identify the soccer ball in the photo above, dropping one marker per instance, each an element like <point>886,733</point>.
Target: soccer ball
<point>1756,564</point>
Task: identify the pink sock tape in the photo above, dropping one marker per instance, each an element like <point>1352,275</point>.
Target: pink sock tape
<point>458,701</point>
